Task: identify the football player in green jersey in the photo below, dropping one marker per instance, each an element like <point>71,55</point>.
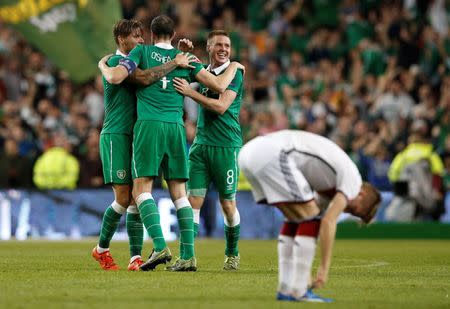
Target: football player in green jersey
<point>159,139</point>
<point>213,155</point>
<point>115,146</point>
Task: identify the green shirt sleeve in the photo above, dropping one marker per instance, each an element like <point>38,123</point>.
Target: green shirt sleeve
<point>113,61</point>
<point>237,81</point>
<point>136,54</point>
<point>198,67</point>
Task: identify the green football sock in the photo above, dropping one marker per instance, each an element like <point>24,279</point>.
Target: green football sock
<point>111,220</point>
<point>185,223</point>
<point>196,228</point>
<point>150,217</point>
<point>232,238</point>
<point>135,232</point>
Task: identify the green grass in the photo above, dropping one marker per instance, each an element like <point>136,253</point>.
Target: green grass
<point>364,274</point>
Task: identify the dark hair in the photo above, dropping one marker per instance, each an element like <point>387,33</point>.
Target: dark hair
<point>124,28</point>
<point>217,32</point>
<point>162,26</point>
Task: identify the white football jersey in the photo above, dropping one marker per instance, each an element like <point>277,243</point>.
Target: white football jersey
<point>324,165</point>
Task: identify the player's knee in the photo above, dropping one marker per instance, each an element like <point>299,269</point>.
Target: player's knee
<point>123,199</point>
<point>196,201</point>
<point>122,195</point>
<point>141,185</point>
<point>177,189</point>
<point>228,207</point>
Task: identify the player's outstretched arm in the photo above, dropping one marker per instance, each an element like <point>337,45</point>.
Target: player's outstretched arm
<point>216,105</point>
<point>327,234</point>
<point>149,76</point>
<point>114,75</point>
<point>221,82</point>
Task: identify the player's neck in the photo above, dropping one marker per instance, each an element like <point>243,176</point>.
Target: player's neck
<point>123,50</point>
<point>164,41</point>
<point>215,64</point>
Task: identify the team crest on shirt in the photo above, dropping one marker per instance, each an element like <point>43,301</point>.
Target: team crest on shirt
<point>121,174</point>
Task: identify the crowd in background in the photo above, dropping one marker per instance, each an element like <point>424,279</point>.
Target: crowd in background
<point>371,75</point>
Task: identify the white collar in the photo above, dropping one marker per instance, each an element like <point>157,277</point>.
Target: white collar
<point>118,52</point>
<point>164,45</point>
<point>220,69</point>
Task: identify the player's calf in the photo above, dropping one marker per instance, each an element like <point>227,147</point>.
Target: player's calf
<point>304,249</point>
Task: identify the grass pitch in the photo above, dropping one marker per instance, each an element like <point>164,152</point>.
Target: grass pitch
<point>364,274</point>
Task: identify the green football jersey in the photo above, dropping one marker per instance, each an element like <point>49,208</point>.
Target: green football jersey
<point>221,130</point>
<point>120,105</point>
<point>160,101</point>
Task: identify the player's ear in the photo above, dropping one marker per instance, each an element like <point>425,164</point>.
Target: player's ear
<point>173,35</point>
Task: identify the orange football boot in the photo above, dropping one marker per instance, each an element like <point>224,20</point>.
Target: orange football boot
<point>105,260</point>
<point>134,266</point>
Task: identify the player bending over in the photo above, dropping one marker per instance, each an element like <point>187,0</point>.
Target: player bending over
<point>285,170</point>
<point>115,146</point>
<point>159,139</point>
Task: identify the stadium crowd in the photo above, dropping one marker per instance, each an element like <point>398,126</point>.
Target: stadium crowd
<point>374,76</point>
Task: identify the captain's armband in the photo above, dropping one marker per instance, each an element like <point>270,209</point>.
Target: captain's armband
<point>129,64</point>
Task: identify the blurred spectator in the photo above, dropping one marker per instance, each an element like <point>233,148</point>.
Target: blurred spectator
<point>416,174</point>
<point>57,168</point>
<point>14,168</point>
<point>91,174</point>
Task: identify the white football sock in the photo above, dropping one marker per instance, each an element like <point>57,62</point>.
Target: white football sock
<point>303,256</point>
<point>134,257</point>
<point>234,220</point>
<point>285,263</point>
<point>101,250</point>
<point>196,213</point>
<point>182,202</point>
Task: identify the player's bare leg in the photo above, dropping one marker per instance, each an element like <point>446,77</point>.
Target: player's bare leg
<point>150,218</point>
<point>111,219</point>
<point>232,230</point>
<point>187,261</point>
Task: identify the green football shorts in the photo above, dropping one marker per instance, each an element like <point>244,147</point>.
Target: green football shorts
<point>213,164</point>
<point>115,153</point>
<point>156,145</point>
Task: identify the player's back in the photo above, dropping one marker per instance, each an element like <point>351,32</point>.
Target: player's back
<point>160,100</point>
<point>120,105</point>
<point>323,163</point>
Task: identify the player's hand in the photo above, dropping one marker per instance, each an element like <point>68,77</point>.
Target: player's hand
<point>185,45</point>
<point>239,66</point>
<point>104,60</point>
<point>182,60</point>
<point>321,278</point>
<point>182,86</point>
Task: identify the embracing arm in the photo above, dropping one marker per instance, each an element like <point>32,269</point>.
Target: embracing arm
<point>218,106</point>
<point>113,75</point>
<point>221,82</point>
<point>327,234</point>
<point>149,76</point>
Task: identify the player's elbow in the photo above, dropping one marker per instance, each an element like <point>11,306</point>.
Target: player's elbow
<point>219,88</point>
<point>112,79</point>
<point>220,110</point>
